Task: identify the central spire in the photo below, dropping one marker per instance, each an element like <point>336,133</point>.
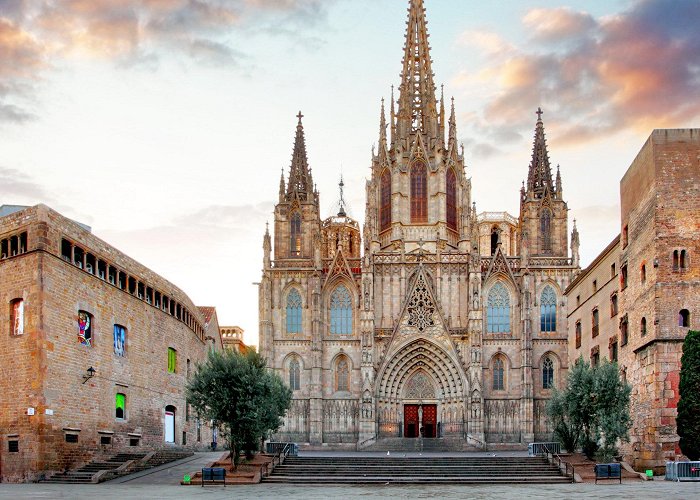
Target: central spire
<point>300,181</point>
<point>417,104</point>
<point>539,177</point>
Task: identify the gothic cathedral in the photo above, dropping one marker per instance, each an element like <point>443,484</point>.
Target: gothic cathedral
<point>436,321</point>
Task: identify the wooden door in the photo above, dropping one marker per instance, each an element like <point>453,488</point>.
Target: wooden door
<point>410,421</point>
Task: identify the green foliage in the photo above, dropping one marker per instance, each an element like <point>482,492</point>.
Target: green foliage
<point>688,420</point>
<point>239,392</point>
<point>592,410</point>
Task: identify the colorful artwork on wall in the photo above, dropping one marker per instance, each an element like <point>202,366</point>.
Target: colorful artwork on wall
<point>85,328</point>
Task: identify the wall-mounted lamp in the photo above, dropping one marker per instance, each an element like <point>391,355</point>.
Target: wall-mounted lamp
<point>90,373</point>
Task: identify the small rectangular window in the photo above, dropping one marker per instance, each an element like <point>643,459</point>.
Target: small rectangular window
<point>78,257</point>
<point>85,328</point>
<point>17,317</point>
<point>134,441</point>
<point>119,341</point>
<point>13,446</point>
<point>120,406</point>
<point>172,360</point>
<point>66,250</point>
<point>595,286</point>
<point>184,438</point>
<point>71,438</point>
<point>105,440</point>
<point>612,270</point>
<point>594,323</point>
<point>623,276</point>
<point>578,334</point>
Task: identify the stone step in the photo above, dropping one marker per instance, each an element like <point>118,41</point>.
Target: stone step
<point>416,479</point>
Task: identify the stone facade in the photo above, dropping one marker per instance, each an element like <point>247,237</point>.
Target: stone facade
<point>651,268</point>
<point>232,338</point>
<point>68,296</point>
<point>436,321</point>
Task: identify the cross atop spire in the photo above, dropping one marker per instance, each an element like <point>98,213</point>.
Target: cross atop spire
<point>341,210</point>
<point>300,181</point>
<point>539,177</point>
<point>539,114</point>
<point>417,102</point>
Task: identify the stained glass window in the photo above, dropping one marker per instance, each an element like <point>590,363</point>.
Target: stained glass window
<point>172,360</point>
<point>17,317</point>
<point>548,310</point>
<point>341,311</point>
<point>85,328</point>
<point>294,374</point>
<point>385,201</point>
<point>419,193</point>
<point>547,374</point>
<point>498,310</point>
<point>120,406</point>
<point>343,375</point>
<point>498,372</point>
<point>451,199</point>
<point>294,312</point>
<point>295,235</point>
<point>119,340</point>
<point>546,230</point>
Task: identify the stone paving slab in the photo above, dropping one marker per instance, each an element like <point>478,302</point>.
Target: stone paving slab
<point>658,489</point>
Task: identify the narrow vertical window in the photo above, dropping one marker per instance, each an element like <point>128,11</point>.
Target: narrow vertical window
<point>385,200</point>
<point>675,259</point>
<point>419,193</point>
<point>623,276</point>
<point>643,273</point>
<point>498,374</point>
<point>451,198</point>
<point>341,311</point>
<point>294,312</point>
<point>294,374</point>
<point>343,375</point>
<point>172,360</point>
<point>17,317</point>
<point>295,235</point>
<point>624,330</point>
<point>548,310</point>
<point>578,334</point>
<point>594,323</point>
<point>120,406</point>
<point>613,305</point>
<point>643,327</point>
<point>498,310</point>
<point>684,318</point>
<point>119,340</point>
<point>546,231</point>
<point>683,261</point>
<point>547,373</point>
<point>494,240</point>
<point>85,324</point>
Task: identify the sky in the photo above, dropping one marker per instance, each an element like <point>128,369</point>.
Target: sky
<point>165,124</point>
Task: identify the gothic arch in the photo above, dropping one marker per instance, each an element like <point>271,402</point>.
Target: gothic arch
<point>418,180</point>
<point>500,280</point>
<point>299,288</point>
<point>553,356</point>
<point>287,366</point>
<point>342,366</point>
<point>508,361</point>
<point>295,234</point>
<point>293,325</point>
<point>330,296</point>
<point>385,199</point>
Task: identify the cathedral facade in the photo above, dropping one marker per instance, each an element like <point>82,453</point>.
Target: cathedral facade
<point>434,320</point>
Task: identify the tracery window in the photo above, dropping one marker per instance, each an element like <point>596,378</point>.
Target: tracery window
<point>341,311</point>
<point>294,374</point>
<point>498,310</point>
<point>17,317</point>
<point>295,235</point>
<point>119,340</point>
<point>451,199</point>
<point>342,375</point>
<point>419,193</point>
<point>546,230</point>
<point>498,374</point>
<point>385,200</point>
<point>85,328</point>
<point>548,310</point>
<point>547,373</point>
<point>294,312</point>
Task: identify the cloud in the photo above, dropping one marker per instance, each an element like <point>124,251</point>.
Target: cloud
<point>16,187</point>
<point>637,69</point>
<point>229,216</point>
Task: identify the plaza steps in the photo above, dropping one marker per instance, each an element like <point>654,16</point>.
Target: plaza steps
<point>85,474</point>
<point>406,445</point>
<point>416,470</point>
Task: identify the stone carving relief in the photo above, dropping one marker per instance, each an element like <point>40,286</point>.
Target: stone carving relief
<point>419,387</point>
<point>421,308</point>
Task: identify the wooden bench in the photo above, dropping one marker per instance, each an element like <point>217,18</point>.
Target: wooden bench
<point>608,471</point>
<point>214,475</point>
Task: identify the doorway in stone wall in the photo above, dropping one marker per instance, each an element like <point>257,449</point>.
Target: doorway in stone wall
<point>170,424</point>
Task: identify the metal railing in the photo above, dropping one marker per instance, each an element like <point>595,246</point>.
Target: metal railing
<point>277,459</point>
<point>683,471</point>
<point>540,449</point>
<point>552,456</point>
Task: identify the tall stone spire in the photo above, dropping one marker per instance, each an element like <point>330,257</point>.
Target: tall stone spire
<point>417,103</point>
<point>300,181</point>
<point>382,126</point>
<point>452,141</point>
<point>539,177</point>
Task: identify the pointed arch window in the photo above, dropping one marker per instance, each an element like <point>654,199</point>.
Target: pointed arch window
<point>295,235</point>
<point>294,374</point>
<point>451,198</point>
<point>498,374</point>
<point>494,239</point>
<point>498,310</point>
<point>419,193</point>
<point>548,310</point>
<point>341,311</point>
<point>546,230</point>
<point>385,200</point>
<point>547,373</point>
<point>294,311</point>
<point>342,375</point>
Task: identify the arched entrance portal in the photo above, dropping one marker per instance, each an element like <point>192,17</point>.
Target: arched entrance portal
<point>421,387</point>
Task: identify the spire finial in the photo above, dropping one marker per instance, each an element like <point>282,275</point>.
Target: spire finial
<point>300,180</point>
<point>300,116</point>
<point>539,114</point>
<point>341,184</point>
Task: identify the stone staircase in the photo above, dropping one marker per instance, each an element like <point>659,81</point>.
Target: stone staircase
<point>117,466</point>
<point>417,470</point>
<point>419,445</point>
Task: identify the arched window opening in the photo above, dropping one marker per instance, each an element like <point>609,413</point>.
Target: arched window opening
<point>643,273</point>
<point>548,310</point>
<point>342,375</point>
<point>498,374</point>
<point>295,235</point>
<point>547,373</point>
<point>684,318</point>
<point>294,375</point>
<point>683,260</point>
<point>494,240</point>
<point>120,406</point>
<point>643,327</point>
<point>170,424</point>
<point>675,259</point>
<point>451,199</point>
<point>546,230</point>
<point>341,311</point>
<point>294,312</point>
<point>419,193</point>
<point>498,310</point>
<point>385,200</point>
